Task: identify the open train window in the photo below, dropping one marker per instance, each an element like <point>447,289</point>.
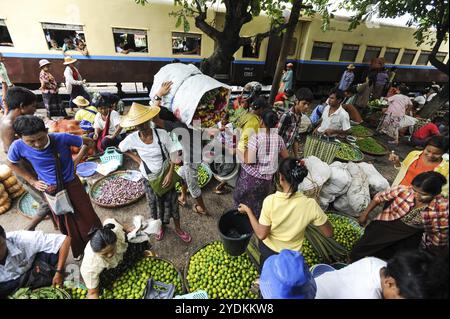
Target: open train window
<point>423,58</point>
<point>371,53</point>
<point>130,40</point>
<point>321,51</point>
<point>349,52</point>
<point>408,56</point>
<point>186,43</point>
<point>250,50</point>
<point>5,38</point>
<point>65,37</point>
<point>292,46</point>
<point>391,54</point>
<point>440,56</point>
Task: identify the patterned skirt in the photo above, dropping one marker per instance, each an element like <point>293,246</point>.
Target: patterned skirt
<point>164,207</point>
<point>391,125</point>
<point>251,191</point>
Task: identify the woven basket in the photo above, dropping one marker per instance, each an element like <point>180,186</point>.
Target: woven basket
<point>25,206</point>
<point>324,149</point>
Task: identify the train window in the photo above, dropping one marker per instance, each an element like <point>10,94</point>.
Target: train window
<point>65,37</point>
<point>5,38</point>
<point>292,46</point>
<point>423,58</point>
<point>371,53</point>
<point>186,43</point>
<point>250,50</point>
<point>130,40</point>
<point>440,56</point>
<point>349,52</point>
<point>391,54</point>
<point>321,50</point>
<point>408,56</point>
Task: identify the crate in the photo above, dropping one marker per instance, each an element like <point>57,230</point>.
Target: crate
<point>112,153</point>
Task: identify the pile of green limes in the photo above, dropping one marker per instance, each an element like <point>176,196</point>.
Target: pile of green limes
<point>77,293</point>
<point>222,276</point>
<point>203,177</point>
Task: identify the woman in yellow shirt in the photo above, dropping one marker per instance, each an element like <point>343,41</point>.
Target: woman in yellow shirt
<point>286,214</point>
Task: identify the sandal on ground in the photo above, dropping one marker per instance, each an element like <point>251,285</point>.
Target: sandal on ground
<point>184,236</point>
<point>159,236</point>
<point>196,210</point>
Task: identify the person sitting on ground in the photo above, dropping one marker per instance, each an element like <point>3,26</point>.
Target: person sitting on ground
<point>413,215</point>
<point>316,114</point>
<point>22,101</point>
<point>421,137</point>
<point>335,120</point>
<point>107,125</point>
<point>105,253</point>
<point>290,121</point>
<point>413,274</point>
<point>430,159</point>
<point>86,112</point>
<point>24,256</point>
<point>155,156</point>
<point>283,99</point>
<point>286,276</point>
<point>116,103</point>
<point>286,214</point>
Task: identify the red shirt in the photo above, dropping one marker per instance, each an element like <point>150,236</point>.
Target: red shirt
<point>426,131</point>
<point>416,168</point>
<point>280,97</point>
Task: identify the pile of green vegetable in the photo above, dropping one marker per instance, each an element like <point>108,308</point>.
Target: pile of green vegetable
<point>235,115</point>
<point>348,153</point>
<point>132,284</point>
<point>203,177</point>
<point>77,293</point>
<point>40,293</point>
<point>370,145</point>
<point>222,276</point>
<point>360,131</point>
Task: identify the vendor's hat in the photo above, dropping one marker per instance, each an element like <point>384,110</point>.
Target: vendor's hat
<point>139,114</point>
<point>351,66</point>
<point>80,101</point>
<point>43,62</point>
<point>286,276</point>
<point>69,60</point>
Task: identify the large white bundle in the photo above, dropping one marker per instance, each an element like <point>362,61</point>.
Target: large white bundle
<point>339,181</point>
<point>358,193</point>
<point>325,199</point>
<point>377,182</point>
<point>318,173</point>
<point>342,205</point>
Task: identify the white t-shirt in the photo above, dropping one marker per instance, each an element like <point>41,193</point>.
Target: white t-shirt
<point>339,120</point>
<point>149,153</point>
<point>114,121</point>
<point>420,99</point>
<point>360,280</point>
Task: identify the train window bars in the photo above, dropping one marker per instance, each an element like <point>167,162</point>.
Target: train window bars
<point>5,38</point>
<point>390,55</point>
<point>65,37</point>
<point>440,56</point>
<point>408,56</point>
<point>349,52</point>
<point>423,58</point>
<point>130,40</point>
<point>186,43</point>
<point>321,50</point>
<point>371,53</point>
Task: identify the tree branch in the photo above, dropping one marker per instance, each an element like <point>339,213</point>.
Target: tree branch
<point>261,36</point>
<point>200,22</point>
<point>442,29</point>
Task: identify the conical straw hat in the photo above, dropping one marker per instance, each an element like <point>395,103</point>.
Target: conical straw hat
<point>139,114</point>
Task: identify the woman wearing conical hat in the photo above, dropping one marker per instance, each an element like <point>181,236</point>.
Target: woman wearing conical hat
<point>154,153</point>
<point>74,81</point>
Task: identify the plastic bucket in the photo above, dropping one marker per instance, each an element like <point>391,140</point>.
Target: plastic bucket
<point>235,232</point>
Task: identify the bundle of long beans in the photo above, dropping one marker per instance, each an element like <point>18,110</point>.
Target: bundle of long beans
<point>327,248</point>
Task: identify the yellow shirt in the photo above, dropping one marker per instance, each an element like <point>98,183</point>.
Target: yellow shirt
<point>86,115</point>
<point>288,218</point>
<point>442,168</point>
<point>93,264</point>
<point>250,126</point>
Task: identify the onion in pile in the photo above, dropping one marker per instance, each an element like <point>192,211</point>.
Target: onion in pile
<point>120,191</point>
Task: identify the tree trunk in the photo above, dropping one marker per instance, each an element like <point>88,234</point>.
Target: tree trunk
<point>436,103</point>
<point>293,20</point>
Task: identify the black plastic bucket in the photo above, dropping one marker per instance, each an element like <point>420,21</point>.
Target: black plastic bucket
<point>235,232</point>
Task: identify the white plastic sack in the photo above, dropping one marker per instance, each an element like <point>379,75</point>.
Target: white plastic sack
<point>358,193</point>
<point>339,181</point>
<point>407,121</point>
<point>325,200</point>
<point>143,228</point>
<point>342,205</point>
<point>377,182</point>
<point>318,173</point>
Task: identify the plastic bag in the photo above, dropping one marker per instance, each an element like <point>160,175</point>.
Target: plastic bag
<point>377,182</point>
<point>318,173</point>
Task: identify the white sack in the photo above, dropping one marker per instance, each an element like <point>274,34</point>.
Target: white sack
<point>339,181</point>
<point>358,193</point>
<point>377,182</point>
<point>318,173</point>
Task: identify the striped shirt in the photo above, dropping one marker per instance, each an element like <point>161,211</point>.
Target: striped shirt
<point>434,216</point>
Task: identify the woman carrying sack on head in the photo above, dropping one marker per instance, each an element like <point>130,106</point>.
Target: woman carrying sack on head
<point>154,148</point>
<point>51,158</point>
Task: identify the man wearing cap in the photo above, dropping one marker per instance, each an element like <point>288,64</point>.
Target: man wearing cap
<point>74,81</point>
<point>286,276</point>
<point>347,78</point>
<point>287,82</point>
<point>49,90</point>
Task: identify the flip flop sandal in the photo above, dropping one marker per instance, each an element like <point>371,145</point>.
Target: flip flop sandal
<point>160,235</point>
<point>184,236</point>
<point>198,211</point>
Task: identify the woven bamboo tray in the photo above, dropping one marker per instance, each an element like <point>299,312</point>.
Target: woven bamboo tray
<point>25,206</point>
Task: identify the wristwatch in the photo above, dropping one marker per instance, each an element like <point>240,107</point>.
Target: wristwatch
<point>157,98</point>
<point>59,271</point>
